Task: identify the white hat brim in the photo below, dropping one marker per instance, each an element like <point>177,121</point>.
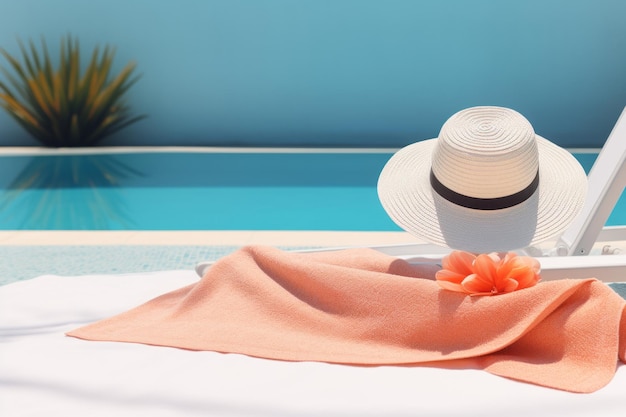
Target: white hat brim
<point>405,192</point>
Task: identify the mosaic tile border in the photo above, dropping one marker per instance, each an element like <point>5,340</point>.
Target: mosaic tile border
<point>25,262</point>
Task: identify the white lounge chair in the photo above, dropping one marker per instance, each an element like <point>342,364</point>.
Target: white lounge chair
<point>603,248</point>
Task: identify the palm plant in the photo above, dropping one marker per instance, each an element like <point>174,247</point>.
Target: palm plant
<point>62,106</point>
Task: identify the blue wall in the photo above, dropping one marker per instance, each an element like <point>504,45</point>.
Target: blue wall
<point>344,72</point>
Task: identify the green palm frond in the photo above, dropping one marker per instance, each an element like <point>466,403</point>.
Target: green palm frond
<point>63,106</point>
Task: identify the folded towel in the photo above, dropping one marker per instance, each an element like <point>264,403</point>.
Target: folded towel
<point>361,307</point>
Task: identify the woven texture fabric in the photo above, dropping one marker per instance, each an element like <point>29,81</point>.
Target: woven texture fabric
<point>361,307</point>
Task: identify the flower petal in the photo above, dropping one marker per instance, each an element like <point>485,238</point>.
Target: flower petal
<point>486,266</point>
<point>507,264</point>
<point>525,270</point>
<point>477,284</point>
<point>459,261</point>
<point>509,285</point>
<point>450,276</point>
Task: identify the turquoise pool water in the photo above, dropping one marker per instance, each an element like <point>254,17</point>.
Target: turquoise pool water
<point>199,191</point>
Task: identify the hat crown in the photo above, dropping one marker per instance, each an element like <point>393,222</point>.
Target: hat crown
<point>486,152</point>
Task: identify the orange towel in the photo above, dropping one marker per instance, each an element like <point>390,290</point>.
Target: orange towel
<point>361,307</point>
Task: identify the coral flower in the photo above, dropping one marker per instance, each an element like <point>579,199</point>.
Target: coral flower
<point>487,274</point>
<point>455,267</point>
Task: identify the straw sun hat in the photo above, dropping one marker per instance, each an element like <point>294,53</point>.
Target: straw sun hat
<point>487,183</point>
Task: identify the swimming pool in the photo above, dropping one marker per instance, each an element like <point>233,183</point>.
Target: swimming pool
<point>200,190</point>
